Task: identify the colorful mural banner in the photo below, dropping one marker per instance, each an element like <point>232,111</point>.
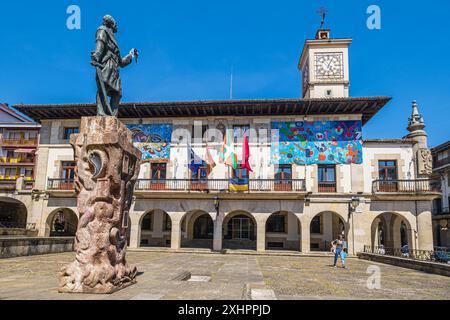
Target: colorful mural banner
<point>153,140</point>
<point>316,142</point>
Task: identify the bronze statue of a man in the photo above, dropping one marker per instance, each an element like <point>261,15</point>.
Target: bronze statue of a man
<point>107,60</point>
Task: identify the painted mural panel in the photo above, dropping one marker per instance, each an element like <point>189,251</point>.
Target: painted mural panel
<point>316,142</point>
<point>153,140</point>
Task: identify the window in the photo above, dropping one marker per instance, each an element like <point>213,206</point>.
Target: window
<point>28,173</point>
<point>68,131</point>
<point>204,227</point>
<point>239,172</point>
<point>167,226</point>
<point>387,173</point>
<point>238,132</point>
<point>203,137</point>
<point>159,171</point>
<point>316,225</point>
<point>200,174</point>
<point>11,173</point>
<point>147,222</point>
<point>240,227</point>
<point>327,178</point>
<point>15,135</point>
<point>68,170</point>
<point>276,223</point>
<point>283,177</point>
<point>32,135</point>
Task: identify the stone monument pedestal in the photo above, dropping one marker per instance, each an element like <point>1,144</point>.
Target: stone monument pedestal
<point>107,167</point>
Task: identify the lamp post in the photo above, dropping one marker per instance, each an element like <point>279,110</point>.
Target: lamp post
<point>354,203</point>
<point>217,204</point>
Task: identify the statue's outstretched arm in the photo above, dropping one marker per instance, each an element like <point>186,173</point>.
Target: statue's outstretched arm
<point>126,60</point>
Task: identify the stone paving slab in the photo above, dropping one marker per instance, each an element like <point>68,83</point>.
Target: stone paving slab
<point>232,277</point>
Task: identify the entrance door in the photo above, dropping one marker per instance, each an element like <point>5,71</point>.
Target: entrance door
<point>67,175</point>
<point>388,175</point>
<point>241,228</point>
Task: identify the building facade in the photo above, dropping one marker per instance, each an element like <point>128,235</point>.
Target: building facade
<point>313,175</point>
<point>441,212</point>
<point>19,138</point>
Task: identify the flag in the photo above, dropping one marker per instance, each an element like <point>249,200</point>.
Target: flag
<point>227,153</point>
<point>209,160</point>
<point>238,184</point>
<point>245,153</point>
<point>195,162</point>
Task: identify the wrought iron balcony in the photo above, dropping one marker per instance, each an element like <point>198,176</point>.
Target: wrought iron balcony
<point>61,184</point>
<point>7,184</point>
<point>441,162</point>
<point>19,142</point>
<point>441,211</point>
<point>221,185</point>
<point>403,186</point>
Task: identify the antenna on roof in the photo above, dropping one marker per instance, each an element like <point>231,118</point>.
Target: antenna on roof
<point>322,12</point>
<point>231,84</point>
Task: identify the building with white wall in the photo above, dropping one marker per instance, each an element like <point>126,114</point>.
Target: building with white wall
<point>314,176</point>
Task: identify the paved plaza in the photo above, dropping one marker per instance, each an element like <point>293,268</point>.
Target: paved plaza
<point>232,276</point>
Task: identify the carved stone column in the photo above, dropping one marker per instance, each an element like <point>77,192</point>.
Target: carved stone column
<point>107,167</point>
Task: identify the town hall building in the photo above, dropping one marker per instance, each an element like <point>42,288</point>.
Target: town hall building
<point>313,175</point>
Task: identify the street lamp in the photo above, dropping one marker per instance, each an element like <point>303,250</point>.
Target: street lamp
<point>354,203</point>
<point>216,203</point>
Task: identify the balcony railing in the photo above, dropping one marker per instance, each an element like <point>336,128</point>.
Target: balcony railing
<point>441,163</point>
<point>9,160</point>
<point>327,186</point>
<point>439,254</point>
<point>61,184</point>
<point>19,142</point>
<point>7,184</point>
<point>395,186</point>
<point>441,211</point>
<point>217,185</point>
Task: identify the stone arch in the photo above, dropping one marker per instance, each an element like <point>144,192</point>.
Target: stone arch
<point>62,222</point>
<point>283,231</point>
<point>396,230</point>
<point>239,230</point>
<point>325,227</point>
<point>154,230</point>
<point>13,213</point>
<point>197,229</point>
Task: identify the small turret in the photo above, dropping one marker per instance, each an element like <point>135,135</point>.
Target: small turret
<point>416,126</point>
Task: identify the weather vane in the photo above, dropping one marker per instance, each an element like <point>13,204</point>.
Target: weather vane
<point>322,12</point>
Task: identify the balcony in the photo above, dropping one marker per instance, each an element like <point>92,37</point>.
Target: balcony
<point>441,211</point>
<point>11,184</point>
<point>6,161</point>
<point>404,189</point>
<point>221,185</point>
<point>441,163</point>
<point>327,187</point>
<point>7,184</point>
<point>61,185</point>
<point>19,142</point>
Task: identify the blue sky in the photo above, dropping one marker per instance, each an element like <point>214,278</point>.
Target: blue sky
<point>188,49</point>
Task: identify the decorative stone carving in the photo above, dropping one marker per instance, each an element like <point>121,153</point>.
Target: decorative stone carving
<point>424,161</point>
<point>107,167</point>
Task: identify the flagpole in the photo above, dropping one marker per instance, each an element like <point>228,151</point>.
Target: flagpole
<point>231,84</point>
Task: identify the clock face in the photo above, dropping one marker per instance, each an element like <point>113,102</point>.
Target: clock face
<point>329,65</point>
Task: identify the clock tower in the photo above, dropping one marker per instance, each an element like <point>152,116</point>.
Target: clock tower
<point>324,66</point>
